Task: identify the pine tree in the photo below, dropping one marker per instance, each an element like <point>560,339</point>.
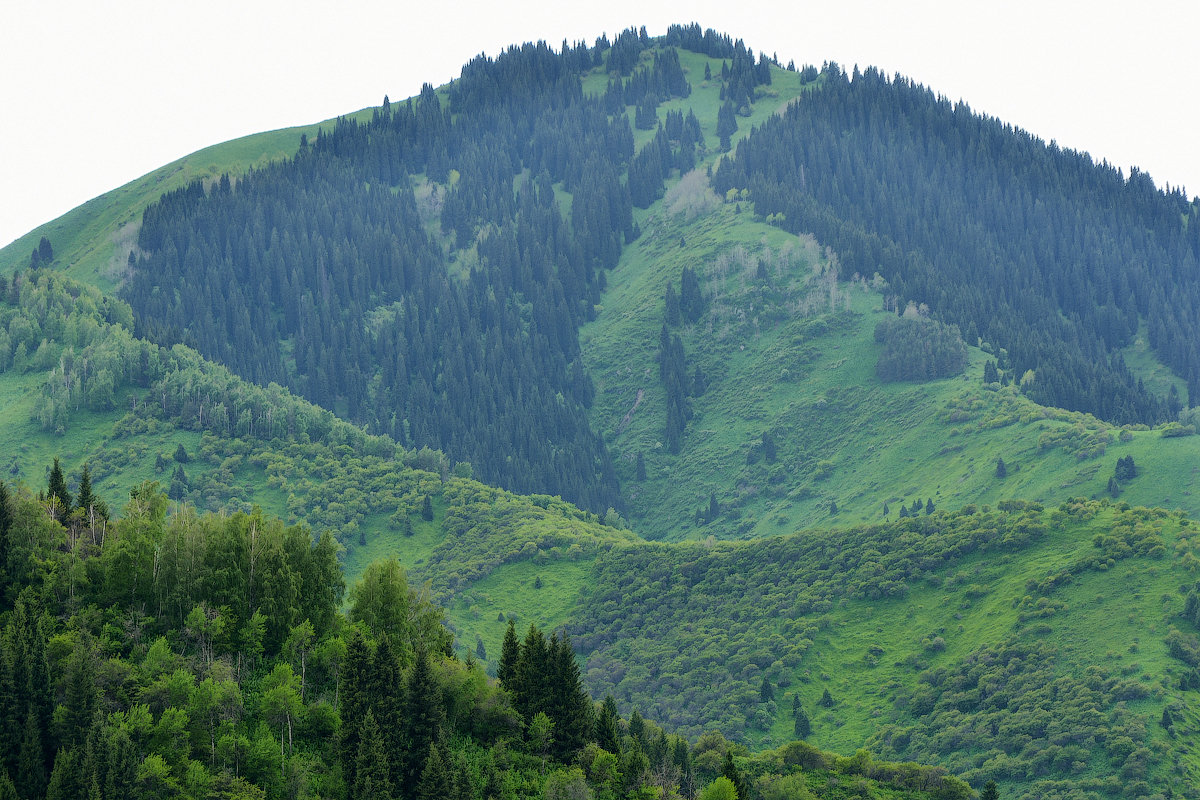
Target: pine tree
<point>427,509</point>
<point>990,791</point>
<point>929,506</point>
<point>1001,469</point>
<point>826,700</point>
<point>641,466</point>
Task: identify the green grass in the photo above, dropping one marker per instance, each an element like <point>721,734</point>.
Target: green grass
<point>843,436</point>
<point>511,592</point>
<point>92,241</point>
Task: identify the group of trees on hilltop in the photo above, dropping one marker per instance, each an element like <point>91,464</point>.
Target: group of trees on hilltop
<point>1023,245</point>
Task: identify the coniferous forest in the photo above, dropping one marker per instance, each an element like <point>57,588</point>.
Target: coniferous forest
<point>1024,245</point>
<point>339,480</point>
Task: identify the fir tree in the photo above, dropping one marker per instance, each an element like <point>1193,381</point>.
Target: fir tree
<point>1001,469</point>
<point>427,509</point>
<point>990,791</point>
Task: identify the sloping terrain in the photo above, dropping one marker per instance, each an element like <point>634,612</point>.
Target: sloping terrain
<point>980,581</point>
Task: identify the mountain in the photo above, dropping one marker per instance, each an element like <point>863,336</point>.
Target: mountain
<point>550,333</point>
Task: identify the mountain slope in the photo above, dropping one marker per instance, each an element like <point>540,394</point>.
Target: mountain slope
<point>528,277</point>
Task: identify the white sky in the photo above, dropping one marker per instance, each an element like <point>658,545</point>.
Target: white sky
<point>95,94</point>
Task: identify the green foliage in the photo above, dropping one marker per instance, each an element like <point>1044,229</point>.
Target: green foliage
<point>917,348</point>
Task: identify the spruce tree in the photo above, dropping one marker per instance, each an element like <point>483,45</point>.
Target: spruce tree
<point>387,699</point>
<point>1001,469</point>
<point>423,720</point>
<point>672,306</point>
<point>510,653</point>
<point>57,486</point>
<point>435,777</point>
<point>802,725</point>
<point>372,776</point>
<point>354,701</point>
<point>427,509</point>
<point>5,549</point>
<point>571,707</point>
<point>31,764</point>
<point>608,730</point>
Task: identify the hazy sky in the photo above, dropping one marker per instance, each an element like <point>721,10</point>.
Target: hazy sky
<point>95,94</point>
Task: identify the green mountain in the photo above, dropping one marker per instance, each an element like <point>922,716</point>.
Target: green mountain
<point>550,333</point>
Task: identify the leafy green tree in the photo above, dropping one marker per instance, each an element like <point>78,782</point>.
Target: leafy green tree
<point>735,776</point>
<point>720,789</point>
<point>541,736</point>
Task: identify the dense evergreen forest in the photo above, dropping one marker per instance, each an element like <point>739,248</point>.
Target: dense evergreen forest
<point>1027,246</point>
<point>323,273</point>
<point>161,655</point>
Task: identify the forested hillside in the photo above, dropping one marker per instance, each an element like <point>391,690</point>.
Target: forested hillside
<point>156,656</point>
<point>334,282</point>
<point>505,332</point>
<point>1025,245</point>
